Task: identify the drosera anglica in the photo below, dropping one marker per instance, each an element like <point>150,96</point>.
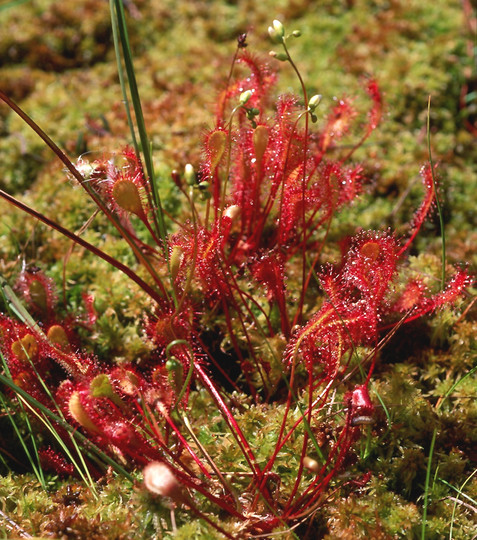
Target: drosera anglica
<point>265,194</point>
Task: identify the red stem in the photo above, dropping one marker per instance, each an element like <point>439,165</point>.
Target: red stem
<point>235,429</point>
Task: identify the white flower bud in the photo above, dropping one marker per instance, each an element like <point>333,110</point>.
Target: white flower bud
<point>279,28</point>
<point>245,96</point>
<point>232,212</point>
<point>160,480</point>
<point>314,101</point>
<point>189,174</point>
<point>311,464</point>
<point>276,31</point>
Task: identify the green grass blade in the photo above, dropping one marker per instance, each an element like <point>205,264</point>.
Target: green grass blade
<point>426,485</point>
<point>88,447</point>
<point>32,457</point>
<point>15,306</point>
<point>122,81</point>
<point>141,126</point>
<point>81,468</point>
<point>431,452</point>
<point>454,386</point>
<point>461,494</point>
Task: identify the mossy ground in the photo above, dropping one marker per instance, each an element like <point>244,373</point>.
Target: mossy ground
<point>57,61</point>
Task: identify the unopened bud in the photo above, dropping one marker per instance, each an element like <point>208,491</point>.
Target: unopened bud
<point>278,27</point>
<point>189,174</point>
<point>245,96</point>
<point>160,480</point>
<point>296,33</point>
<point>273,35</point>
<point>204,189</point>
<point>203,186</point>
<point>176,177</point>
<point>276,31</point>
<point>173,364</point>
<point>311,464</point>
<point>176,373</point>
<point>232,212</point>
<point>314,101</point>
<point>282,57</point>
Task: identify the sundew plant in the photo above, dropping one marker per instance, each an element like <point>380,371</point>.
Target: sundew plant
<point>261,326</point>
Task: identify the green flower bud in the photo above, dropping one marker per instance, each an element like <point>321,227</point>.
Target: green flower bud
<point>296,33</point>
<point>282,57</point>
<point>203,186</point>
<point>251,114</point>
<point>173,364</point>
<point>204,190</point>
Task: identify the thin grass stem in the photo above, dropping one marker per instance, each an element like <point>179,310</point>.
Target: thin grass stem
<point>120,19</point>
